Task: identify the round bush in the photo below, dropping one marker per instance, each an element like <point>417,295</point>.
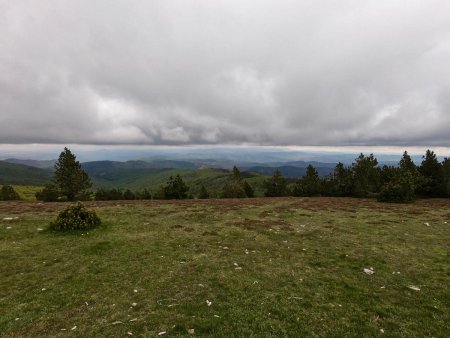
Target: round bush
<point>75,217</point>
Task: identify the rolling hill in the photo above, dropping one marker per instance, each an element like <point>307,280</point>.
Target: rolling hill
<point>11,173</point>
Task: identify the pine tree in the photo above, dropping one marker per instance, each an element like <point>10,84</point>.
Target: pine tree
<point>175,188</point>
<point>400,182</point>
<point>275,186</point>
<point>235,186</point>
<point>203,193</point>
<point>366,176</point>
<point>433,184</point>
<point>308,185</point>
<point>69,178</point>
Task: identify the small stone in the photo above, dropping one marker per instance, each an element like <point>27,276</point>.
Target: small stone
<point>368,271</point>
<point>208,303</point>
<point>162,333</point>
<point>134,304</point>
<point>191,331</point>
<point>413,287</point>
<point>74,328</point>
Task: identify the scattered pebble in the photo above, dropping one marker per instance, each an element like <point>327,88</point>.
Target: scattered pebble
<point>43,289</point>
<point>133,304</point>
<point>369,271</point>
<point>415,288</point>
<point>117,322</point>
<point>74,328</point>
<point>427,224</point>
<point>129,333</point>
<point>162,333</point>
<point>381,330</point>
<point>8,228</point>
<point>238,268</point>
<point>133,320</point>
<point>217,316</point>
<point>135,291</point>
<point>17,318</point>
<point>208,303</point>
<point>191,331</point>
<point>39,229</point>
<point>235,264</point>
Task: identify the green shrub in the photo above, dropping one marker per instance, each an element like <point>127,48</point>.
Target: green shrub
<point>75,217</point>
<point>7,193</point>
<point>399,190</point>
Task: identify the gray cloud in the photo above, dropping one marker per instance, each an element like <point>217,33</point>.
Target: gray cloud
<point>225,72</point>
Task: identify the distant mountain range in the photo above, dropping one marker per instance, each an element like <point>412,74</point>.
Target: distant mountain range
<point>140,174</point>
<point>20,174</point>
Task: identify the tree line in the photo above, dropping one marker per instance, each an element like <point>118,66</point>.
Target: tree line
<point>363,178</point>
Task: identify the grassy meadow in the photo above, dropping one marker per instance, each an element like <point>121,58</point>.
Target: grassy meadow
<point>272,267</point>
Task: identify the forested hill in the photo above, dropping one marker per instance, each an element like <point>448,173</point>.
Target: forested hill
<point>11,173</point>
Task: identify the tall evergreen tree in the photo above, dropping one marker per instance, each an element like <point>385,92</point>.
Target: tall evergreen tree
<point>446,168</point>
<point>69,178</point>
<point>203,193</point>
<point>275,186</point>
<point>308,185</point>
<point>400,183</point>
<point>175,188</point>
<point>433,184</point>
<point>341,181</point>
<point>236,187</point>
<point>366,176</point>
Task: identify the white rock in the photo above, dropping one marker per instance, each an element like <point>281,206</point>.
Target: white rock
<point>191,331</point>
<point>134,304</point>
<point>413,287</point>
<point>74,328</point>
<point>162,333</point>
<point>208,303</point>
<point>368,271</point>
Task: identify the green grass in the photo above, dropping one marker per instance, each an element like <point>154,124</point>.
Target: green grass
<point>269,267</point>
<point>27,192</point>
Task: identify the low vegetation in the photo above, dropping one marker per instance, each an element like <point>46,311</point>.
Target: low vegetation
<point>75,217</point>
<point>267,267</point>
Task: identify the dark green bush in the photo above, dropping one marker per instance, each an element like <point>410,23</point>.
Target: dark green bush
<point>75,217</point>
<point>399,190</point>
<point>7,193</point>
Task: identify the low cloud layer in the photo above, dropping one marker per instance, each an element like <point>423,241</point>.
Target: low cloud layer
<point>225,72</point>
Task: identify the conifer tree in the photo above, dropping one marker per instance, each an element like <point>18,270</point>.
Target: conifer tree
<point>69,178</point>
<point>275,186</point>
<point>433,184</point>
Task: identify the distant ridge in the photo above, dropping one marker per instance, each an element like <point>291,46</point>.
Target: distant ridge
<point>20,174</point>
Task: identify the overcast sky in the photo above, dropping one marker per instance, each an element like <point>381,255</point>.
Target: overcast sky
<point>176,72</point>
